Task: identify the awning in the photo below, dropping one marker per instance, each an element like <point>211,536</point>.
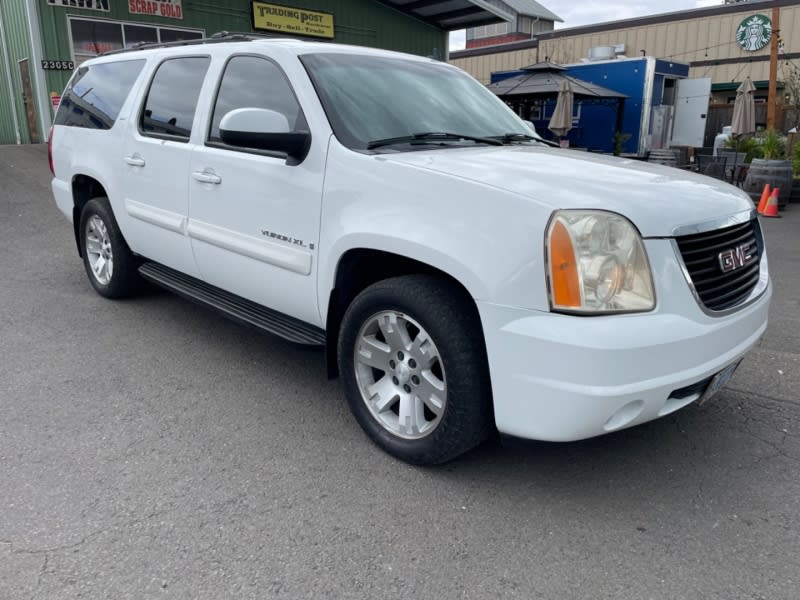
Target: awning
<point>544,79</point>
<point>451,14</point>
<point>734,85</point>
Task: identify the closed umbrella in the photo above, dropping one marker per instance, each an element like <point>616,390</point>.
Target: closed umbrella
<point>561,121</point>
<point>744,110</point>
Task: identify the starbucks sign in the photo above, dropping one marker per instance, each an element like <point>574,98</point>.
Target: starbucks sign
<point>754,32</point>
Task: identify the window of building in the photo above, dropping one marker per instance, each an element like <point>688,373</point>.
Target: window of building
<point>172,98</point>
<point>485,31</point>
<point>252,82</point>
<point>96,94</point>
<point>91,37</point>
<point>177,35</point>
<point>137,34</point>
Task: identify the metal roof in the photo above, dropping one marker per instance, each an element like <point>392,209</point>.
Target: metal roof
<point>544,79</point>
<point>452,14</point>
<point>531,8</point>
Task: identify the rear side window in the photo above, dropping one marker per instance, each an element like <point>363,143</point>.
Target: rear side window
<point>253,82</point>
<point>96,94</point>
<point>172,98</point>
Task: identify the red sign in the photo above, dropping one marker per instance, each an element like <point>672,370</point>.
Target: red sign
<point>171,9</point>
<point>55,100</point>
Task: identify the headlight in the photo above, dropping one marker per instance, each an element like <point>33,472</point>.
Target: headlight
<point>597,264</point>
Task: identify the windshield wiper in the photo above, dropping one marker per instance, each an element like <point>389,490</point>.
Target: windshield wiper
<point>515,137</point>
<point>508,138</point>
<point>432,136</point>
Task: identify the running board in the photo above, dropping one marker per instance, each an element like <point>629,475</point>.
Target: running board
<point>234,307</point>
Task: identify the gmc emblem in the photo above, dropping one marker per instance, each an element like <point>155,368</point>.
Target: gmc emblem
<point>736,258</point>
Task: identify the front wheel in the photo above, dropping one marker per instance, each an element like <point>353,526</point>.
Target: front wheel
<point>413,363</point>
<point>109,263</point>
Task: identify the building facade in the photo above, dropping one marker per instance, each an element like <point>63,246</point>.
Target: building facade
<point>528,18</point>
<point>43,41</point>
<point>726,43</point>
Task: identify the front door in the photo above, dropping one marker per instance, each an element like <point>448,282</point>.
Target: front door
<point>254,218</point>
<point>27,100</point>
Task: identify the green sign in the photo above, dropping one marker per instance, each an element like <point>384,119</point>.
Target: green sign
<point>754,32</point>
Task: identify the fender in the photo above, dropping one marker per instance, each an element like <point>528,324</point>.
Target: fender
<point>330,259</point>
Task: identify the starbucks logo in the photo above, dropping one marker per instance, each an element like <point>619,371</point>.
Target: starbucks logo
<point>754,33</point>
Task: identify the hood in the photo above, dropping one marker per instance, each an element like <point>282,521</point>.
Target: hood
<point>656,198</point>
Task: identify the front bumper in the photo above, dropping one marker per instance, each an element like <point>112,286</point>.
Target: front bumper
<point>562,378</point>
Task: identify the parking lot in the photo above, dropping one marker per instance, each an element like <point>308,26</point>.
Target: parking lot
<point>151,449</point>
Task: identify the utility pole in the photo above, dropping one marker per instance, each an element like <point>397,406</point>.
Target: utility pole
<point>772,98</point>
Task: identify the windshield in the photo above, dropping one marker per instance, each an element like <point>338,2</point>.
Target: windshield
<point>370,99</point>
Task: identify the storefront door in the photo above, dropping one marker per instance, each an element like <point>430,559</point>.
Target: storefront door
<point>27,99</point>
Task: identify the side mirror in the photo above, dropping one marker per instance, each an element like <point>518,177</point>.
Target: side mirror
<point>263,129</point>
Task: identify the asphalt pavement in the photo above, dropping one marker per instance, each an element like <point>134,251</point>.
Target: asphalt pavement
<point>152,449</point>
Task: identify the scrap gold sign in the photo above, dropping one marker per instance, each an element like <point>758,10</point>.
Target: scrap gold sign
<point>294,21</point>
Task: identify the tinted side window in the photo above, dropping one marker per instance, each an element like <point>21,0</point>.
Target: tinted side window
<point>96,94</point>
<point>172,98</point>
<point>252,82</point>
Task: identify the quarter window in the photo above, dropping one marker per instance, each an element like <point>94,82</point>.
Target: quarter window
<point>95,94</point>
<point>172,98</point>
<point>253,82</point>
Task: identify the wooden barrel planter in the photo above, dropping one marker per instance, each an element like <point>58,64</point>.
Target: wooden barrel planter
<point>777,173</point>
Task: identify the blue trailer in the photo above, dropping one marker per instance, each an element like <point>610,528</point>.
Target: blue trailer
<point>663,106</point>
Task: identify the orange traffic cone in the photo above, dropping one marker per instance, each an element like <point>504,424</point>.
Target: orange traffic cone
<point>771,209</point>
<point>762,204</point>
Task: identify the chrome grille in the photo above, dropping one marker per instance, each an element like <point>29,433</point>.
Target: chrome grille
<point>701,252</point>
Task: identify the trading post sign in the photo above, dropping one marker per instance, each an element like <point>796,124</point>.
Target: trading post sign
<point>292,21</point>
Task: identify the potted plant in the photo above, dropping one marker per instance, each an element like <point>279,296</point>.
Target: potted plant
<point>773,169</point>
<point>773,146</point>
<point>619,141</point>
<point>748,146</point>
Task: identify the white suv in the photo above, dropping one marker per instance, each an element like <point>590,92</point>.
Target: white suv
<point>463,275</point>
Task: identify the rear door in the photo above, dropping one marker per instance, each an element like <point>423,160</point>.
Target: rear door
<point>155,162</point>
<point>254,217</point>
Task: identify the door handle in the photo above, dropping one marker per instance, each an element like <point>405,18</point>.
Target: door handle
<point>207,177</point>
<point>135,160</point>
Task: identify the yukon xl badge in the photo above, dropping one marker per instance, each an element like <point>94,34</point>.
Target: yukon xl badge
<point>286,238</point>
<point>736,258</point>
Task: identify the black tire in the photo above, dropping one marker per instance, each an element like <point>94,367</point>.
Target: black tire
<point>450,319</point>
<point>123,280</point>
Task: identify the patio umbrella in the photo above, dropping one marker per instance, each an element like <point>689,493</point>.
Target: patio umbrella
<point>561,121</point>
<point>744,110</point>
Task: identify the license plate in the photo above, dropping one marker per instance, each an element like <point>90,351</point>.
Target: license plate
<point>718,381</point>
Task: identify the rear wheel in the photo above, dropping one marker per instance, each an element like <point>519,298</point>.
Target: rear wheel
<point>109,263</point>
<point>414,367</point>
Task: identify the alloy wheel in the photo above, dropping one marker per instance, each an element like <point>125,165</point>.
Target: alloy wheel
<point>400,374</point>
<point>98,250</point>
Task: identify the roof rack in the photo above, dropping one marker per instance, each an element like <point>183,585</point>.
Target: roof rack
<point>215,38</point>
